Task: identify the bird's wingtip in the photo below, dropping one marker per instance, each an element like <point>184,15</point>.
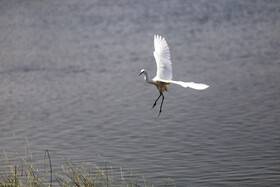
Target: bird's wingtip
<point>203,86</point>
<point>157,36</point>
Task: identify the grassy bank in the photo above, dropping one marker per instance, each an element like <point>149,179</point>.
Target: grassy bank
<point>23,172</point>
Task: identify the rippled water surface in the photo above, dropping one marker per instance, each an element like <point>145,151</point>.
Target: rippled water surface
<point>69,83</point>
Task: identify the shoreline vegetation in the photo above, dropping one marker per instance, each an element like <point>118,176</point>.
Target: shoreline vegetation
<point>22,171</point>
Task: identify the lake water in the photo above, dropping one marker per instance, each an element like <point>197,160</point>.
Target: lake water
<point>69,83</point>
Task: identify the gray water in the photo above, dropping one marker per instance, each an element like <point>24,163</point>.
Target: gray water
<point>69,83</point>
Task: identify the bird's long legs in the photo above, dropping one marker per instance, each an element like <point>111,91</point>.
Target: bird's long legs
<point>161,105</point>
<point>156,101</point>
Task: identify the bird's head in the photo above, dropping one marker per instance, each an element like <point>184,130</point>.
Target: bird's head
<point>142,71</point>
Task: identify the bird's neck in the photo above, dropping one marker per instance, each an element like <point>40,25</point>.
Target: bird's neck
<point>146,78</point>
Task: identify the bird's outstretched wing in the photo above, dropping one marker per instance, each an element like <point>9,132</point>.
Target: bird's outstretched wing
<point>162,56</point>
<point>197,86</point>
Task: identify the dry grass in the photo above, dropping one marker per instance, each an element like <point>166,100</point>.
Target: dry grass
<point>22,172</point>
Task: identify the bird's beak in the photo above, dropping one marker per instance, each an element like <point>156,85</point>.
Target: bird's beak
<point>140,73</point>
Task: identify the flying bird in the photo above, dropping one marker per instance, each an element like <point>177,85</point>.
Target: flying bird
<point>164,71</point>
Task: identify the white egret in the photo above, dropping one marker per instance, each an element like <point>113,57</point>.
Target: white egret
<point>164,71</point>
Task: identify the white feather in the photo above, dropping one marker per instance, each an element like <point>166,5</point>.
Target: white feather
<point>162,56</point>
<point>197,86</point>
<point>164,65</point>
